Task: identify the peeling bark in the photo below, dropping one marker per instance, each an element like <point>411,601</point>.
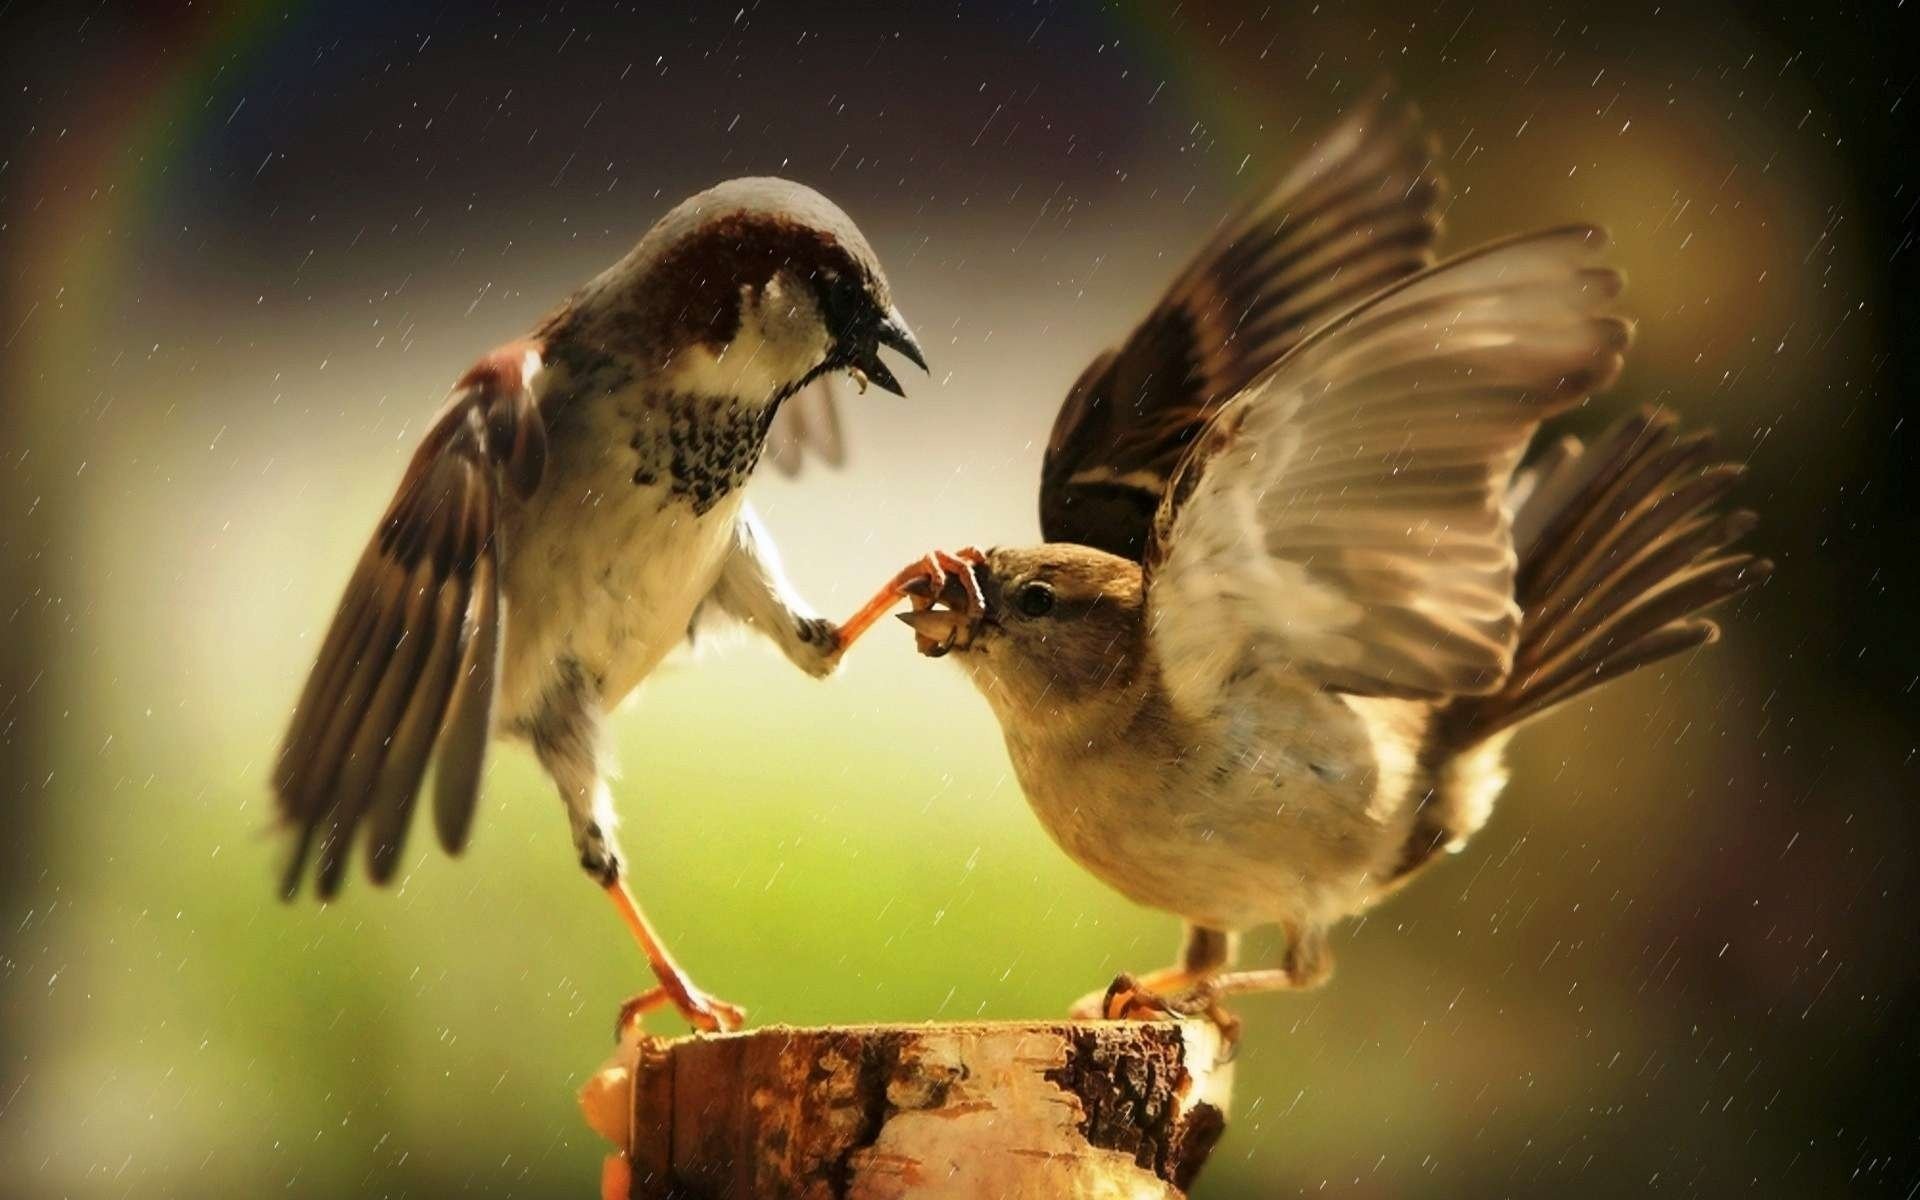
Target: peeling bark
<point>1114,1109</point>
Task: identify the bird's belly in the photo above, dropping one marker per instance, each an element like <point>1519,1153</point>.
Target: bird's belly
<point>605,579</point>
<point>1228,845</point>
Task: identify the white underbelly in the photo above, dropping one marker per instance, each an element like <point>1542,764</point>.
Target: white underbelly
<point>1229,859</point>
<point>1271,833</point>
<point>609,583</point>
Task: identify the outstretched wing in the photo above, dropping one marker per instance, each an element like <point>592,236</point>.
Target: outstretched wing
<point>1342,518</point>
<point>408,665</point>
<point>1361,212</point>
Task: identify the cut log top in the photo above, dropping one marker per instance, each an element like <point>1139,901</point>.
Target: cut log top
<point>1121,1109</point>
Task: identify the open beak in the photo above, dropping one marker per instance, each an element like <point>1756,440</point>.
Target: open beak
<point>891,332</point>
<point>894,334</point>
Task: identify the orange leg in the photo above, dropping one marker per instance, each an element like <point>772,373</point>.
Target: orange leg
<point>883,600</point>
<point>1129,994</point>
<point>1204,953</point>
<point>962,565</point>
<point>931,573</point>
<point>701,1011</point>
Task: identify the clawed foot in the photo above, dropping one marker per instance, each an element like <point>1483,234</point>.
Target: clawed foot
<point>1130,999</point>
<point>951,580</point>
<point>928,580</point>
<point>705,1013</point>
<point>700,1010</point>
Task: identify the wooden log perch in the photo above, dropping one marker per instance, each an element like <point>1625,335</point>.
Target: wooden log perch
<point>1119,1109</point>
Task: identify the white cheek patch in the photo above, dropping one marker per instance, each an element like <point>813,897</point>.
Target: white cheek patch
<point>781,340</point>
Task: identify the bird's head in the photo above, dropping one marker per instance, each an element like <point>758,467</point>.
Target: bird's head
<point>1045,631</point>
<point>759,285</point>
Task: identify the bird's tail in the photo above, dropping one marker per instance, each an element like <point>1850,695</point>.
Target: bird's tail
<point>1619,554</point>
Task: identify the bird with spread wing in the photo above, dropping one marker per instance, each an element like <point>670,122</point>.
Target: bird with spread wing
<point>577,501</point>
<point>1297,590</point>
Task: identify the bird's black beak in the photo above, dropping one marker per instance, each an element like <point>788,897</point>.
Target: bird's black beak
<point>890,331</point>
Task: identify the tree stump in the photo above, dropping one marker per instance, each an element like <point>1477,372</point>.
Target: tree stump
<point>1120,1109</point>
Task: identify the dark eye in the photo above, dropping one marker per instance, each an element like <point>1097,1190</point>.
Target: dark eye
<point>1034,599</point>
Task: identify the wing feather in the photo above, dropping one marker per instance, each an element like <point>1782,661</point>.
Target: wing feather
<point>1342,517</point>
<point>1361,211</point>
<point>463,742</point>
<point>410,661</point>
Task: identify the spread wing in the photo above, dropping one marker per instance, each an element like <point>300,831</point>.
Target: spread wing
<point>408,666</point>
<point>1361,212</point>
<point>807,426</point>
<point>1342,518</point>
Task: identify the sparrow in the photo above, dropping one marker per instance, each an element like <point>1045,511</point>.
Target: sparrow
<point>576,501</point>
<point>1296,595</point>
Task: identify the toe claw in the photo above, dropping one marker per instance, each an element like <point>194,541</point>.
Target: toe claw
<point>709,1014</point>
<point>705,1013</point>
<point>1129,998</point>
<point>637,1007</point>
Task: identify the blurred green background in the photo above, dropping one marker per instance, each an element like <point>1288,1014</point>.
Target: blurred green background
<point>245,248</point>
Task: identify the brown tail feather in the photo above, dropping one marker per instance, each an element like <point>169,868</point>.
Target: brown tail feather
<point>1617,559</point>
<point>1614,564</point>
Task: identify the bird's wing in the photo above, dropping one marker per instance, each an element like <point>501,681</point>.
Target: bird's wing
<point>409,664</point>
<point>1360,212</point>
<point>1342,517</point>
<point>807,426</point>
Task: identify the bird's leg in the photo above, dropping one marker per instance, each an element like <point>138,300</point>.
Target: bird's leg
<point>703,1012</point>
<point>924,580</point>
<point>753,588</point>
<point>883,600</point>
<point>1308,963</point>
<point>566,735</point>
<point>1203,952</point>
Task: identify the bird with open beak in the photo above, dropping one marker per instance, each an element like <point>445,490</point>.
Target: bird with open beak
<point>574,503</point>
<point>1295,596</point>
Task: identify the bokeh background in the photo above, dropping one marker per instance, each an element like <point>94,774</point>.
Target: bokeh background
<point>245,247</point>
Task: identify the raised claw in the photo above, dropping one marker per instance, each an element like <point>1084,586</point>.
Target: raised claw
<point>939,577</point>
<point>965,567</point>
<point>952,580</point>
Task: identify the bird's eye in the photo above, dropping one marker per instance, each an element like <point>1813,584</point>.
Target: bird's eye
<point>1034,599</point>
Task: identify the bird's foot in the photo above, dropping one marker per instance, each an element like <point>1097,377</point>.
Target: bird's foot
<point>925,580</point>
<point>1129,998</point>
<point>709,1014</point>
<point>1167,981</point>
<point>705,1013</point>
<point>951,580</point>
<point>635,1008</point>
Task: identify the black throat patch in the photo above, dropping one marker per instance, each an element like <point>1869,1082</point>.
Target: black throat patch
<point>700,447</point>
